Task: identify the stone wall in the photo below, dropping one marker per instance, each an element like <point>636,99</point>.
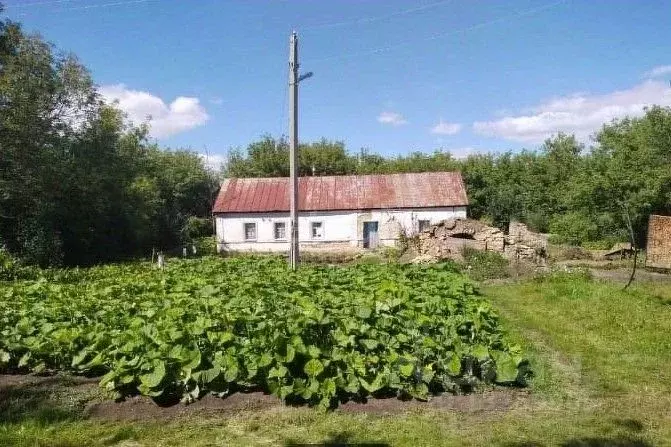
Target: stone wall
<point>447,239</point>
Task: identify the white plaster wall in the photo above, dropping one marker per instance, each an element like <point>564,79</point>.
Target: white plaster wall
<point>339,227</point>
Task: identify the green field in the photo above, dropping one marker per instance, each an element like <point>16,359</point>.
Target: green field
<point>601,362</point>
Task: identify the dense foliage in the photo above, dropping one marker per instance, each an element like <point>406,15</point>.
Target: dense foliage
<point>582,194</point>
<point>78,185</point>
<point>214,325</point>
<point>482,265</point>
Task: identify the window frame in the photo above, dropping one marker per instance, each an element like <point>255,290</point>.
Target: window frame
<point>275,224</point>
<point>419,224</point>
<point>244,231</point>
<point>312,234</point>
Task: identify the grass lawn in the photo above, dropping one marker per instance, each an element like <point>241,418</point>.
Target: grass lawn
<point>602,362</point>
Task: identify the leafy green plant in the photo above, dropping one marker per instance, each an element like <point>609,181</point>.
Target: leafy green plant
<point>217,325</point>
<point>573,228</point>
<point>196,228</point>
<point>482,265</point>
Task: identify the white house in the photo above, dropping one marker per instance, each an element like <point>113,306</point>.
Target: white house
<point>353,211</point>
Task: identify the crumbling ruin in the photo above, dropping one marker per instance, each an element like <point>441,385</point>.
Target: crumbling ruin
<point>659,243</point>
<point>447,239</point>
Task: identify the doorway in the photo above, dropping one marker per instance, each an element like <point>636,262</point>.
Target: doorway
<point>370,235</point>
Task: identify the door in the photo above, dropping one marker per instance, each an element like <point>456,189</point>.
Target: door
<point>370,235</point>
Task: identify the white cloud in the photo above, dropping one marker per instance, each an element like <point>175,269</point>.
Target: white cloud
<point>579,114</point>
<point>213,162</point>
<point>217,101</point>
<point>656,72</point>
<point>444,128</point>
<point>182,114</point>
<point>463,152</point>
<point>393,118</point>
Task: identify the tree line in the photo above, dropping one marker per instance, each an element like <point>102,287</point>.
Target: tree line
<point>78,184</point>
<point>579,194</point>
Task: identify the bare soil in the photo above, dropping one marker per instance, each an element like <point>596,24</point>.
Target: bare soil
<point>141,408</point>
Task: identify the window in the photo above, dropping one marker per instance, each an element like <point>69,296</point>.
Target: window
<point>280,230</point>
<point>250,231</point>
<point>424,225</point>
<point>317,230</point>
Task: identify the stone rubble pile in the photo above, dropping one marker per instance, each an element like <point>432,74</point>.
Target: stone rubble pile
<point>447,239</point>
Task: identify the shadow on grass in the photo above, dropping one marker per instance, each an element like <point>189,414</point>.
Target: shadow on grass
<point>342,439</point>
<point>41,402</point>
<point>590,442</point>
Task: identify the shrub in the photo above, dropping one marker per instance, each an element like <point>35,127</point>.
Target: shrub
<point>569,253</point>
<point>573,228</point>
<point>487,220</point>
<point>390,254</point>
<point>40,246</point>
<point>206,245</point>
<point>408,242</point>
<point>482,265</point>
<point>602,244</point>
<point>11,269</point>
<point>196,228</point>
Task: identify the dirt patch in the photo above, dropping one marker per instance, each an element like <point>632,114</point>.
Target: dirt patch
<point>622,275</point>
<point>141,408</point>
<point>8,381</point>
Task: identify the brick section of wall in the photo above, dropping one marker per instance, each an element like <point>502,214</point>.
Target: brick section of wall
<point>658,250</point>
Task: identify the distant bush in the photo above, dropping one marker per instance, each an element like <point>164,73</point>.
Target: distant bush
<point>603,244</point>
<point>487,220</point>
<point>12,269</point>
<point>7,265</point>
<point>390,254</point>
<point>481,265</point>
<point>197,227</point>
<point>572,228</point>
<point>206,245</point>
<point>536,221</point>
<point>408,242</point>
<point>570,253</point>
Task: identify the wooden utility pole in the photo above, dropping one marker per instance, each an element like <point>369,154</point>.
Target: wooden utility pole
<point>294,80</point>
<point>293,148</point>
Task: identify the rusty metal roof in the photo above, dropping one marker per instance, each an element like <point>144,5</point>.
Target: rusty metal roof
<point>347,192</point>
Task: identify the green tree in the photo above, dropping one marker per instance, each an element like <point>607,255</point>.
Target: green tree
<point>77,184</point>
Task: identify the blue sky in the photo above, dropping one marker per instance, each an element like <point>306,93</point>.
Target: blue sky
<point>393,76</point>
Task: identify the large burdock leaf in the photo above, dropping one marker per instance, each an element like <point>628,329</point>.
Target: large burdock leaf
<point>480,352</point>
<point>79,357</point>
<point>154,378</point>
<point>406,369</point>
<point>454,365</point>
<point>375,385</point>
<point>210,375</point>
<point>506,368</point>
<point>278,372</point>
<point>313,368</point>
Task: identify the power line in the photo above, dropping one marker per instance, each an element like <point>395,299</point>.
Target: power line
<point>376,18</point>
<point>93,6</point>
<point>28,5</point>
<point>103,5</point>
<point>526,12</point>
